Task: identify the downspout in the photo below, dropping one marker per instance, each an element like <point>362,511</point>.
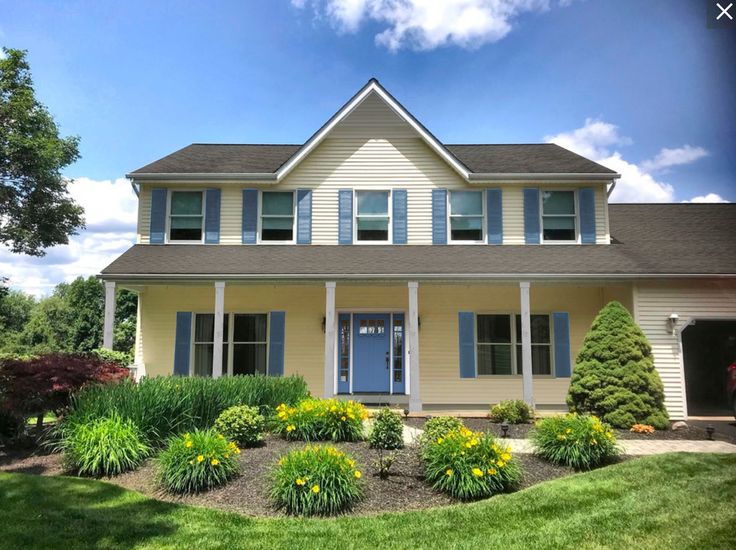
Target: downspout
<point>610,189</point>
<point>136,190</point>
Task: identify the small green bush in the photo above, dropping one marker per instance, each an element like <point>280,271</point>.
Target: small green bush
<point>316,481</point>
<point>242,424</point>
<point>513,411</point>
<point>104,447</point>
<point>197,461</point>
<point>576,440</point>
<point>387,431</point>
<point>321,420</point>
<point>122,358</point>
<point>437,427</point>
<point>470,465</point>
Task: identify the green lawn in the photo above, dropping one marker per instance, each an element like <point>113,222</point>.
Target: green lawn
<point>667,501</point>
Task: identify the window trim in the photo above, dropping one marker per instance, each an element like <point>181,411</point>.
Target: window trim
<point>576,205</point>
<point>483,223</point>
<point>390,214</point>
<point>169,196</point>
<point>259,228</point>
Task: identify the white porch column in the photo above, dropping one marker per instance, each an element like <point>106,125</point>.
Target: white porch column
<point>526,344</point>
<point>219,326</point>
<point>330,337</point>
<point>109,327</point>
<point>412,326</point>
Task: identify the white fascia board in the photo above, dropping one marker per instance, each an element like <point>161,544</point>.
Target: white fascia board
<point>477,177</point>
<point>257,177</point>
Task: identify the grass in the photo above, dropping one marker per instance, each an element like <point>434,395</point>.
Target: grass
<point>666,501</point>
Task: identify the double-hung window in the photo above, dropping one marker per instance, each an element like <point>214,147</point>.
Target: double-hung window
<point>559,217</point>
<point>372,218</point>
<point>277,216</point>
<point>499,344</point>
<point>466,216</point>
<point>244,347</point>
<point>186,216</point>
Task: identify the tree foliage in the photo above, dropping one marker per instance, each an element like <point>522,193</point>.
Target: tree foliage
<point>614,376</point>
<point>36,210</point>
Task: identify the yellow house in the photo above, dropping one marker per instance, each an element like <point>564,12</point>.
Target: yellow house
<point>384,265</point>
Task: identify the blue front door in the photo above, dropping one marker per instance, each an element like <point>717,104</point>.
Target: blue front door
<point>371,352</point>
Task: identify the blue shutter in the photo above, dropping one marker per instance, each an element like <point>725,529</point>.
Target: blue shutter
<point>466,325</point>
<point>212,216</point>
<point>494,211</point>
<point>157,233</point>
<point>182,347</point>
<point>531,215</point>
<point>250,216</point>
<point>561,329</point>
<point>439,216</point>
<point>399,216</point>
<point>304,216</point>
<point>586,198</point>
<point>276,344</point>
<point>345,216</point>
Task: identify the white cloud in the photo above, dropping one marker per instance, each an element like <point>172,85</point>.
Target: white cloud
<point>596,138</point>
<point>110,211</point>
<point>429,24</point>
<point>710,197</point>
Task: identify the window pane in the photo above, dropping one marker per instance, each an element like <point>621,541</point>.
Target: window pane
<point>466,203</point>
<point>559,229</point>
<point>372,229</point>
<point>277,229</point>
<point>494,359</point>
<point>373,202</point>
<point>466,229</point>
<point>539,326</point>
<point>249,328</point>
<point>203,359</point>
<point>186,202</point>
<point>249,358</point>
<point>278,204</point>
<point>186,229</point>
<point>204,327</point>
<point>541,363</point>
<point>494,328</point>
<point>558,202</point>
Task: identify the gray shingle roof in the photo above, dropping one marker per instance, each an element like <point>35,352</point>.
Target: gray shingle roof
<point>649,239</point>
<point>532,158</point>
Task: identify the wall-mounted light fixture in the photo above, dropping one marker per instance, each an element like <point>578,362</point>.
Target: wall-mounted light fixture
<point>672,322</point>
<point>324,324</point>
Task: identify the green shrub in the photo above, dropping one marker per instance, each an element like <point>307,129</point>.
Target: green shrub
<point>320,420</point>
<point>316,481</point>
<point>513,411</point>
<point>197,461</point>
<point>437,427</point>
<point>104,447</point>
<point>576,440</point>
<point>614,376</point>
<point>122,358</point>
<point>387,431</point>
<point>470,465</point>
<point>170,405</point>
<point>242,424</point>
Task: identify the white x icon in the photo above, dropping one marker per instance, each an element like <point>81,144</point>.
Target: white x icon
<point>724,11</point>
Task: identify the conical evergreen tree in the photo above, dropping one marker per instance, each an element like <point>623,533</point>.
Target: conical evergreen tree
<point>614,376</point>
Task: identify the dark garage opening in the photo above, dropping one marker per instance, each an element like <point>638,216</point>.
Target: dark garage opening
<point>708,348</point>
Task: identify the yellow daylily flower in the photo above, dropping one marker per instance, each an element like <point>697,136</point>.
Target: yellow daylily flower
<point>357,474</point>
<point>200,458</point>
<point>315,489</point>
<point>188,444</point>
<point>491,471</point>
<point>299,481</point>
<point>477,472</point>
<point>214,462</point>
<point>449,473</point>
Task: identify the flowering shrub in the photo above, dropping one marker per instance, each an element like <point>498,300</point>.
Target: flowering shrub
<point>242,424</point>
<point>469,465</point>
<point>437,427</point>
<point>316,480</point>
<point>387,431</point>
<point>103,447</point>
<point>513,411</point>
<point>197,461</point>
<point>642,429</point>
<point>577,440</point>
<point>321,419</point>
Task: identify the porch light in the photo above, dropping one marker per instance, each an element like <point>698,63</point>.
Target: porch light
<point>324,324</point>
<point>504,429</point>
<point>672,321</point>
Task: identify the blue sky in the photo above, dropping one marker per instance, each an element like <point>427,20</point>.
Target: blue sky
<point>644,87</point>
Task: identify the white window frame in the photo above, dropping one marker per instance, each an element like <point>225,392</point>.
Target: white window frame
<point>390,214</point>
<point>483,222</point>
<point>260,217</point>
<point>542,216</point>
<point>169,196</point>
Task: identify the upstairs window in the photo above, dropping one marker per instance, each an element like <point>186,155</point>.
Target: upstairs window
<point>559,216</point>
<point>372,216</point>
<point>186,216</point>
<point>277,216</point>
<point>466,216</point>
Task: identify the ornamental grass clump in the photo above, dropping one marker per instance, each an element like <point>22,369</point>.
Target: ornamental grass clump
<point>387,431</point>
<point>576,440</point>
<point>197,461</point>
<point>470,465</point>
<point>104,447</point>
<point>513,411</point>
<point>316,481</point>
<point>241,424</point>
<point>321,420</point>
